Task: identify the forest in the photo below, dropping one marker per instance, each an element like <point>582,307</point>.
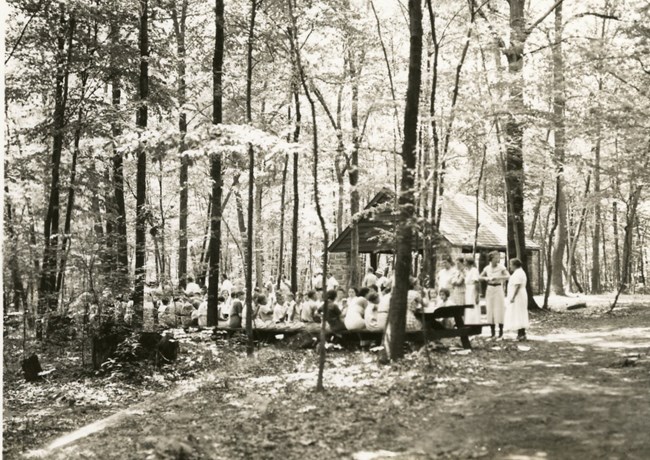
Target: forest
<point>150,145</point>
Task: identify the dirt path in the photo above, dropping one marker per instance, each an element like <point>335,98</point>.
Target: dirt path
<point>580,388</point>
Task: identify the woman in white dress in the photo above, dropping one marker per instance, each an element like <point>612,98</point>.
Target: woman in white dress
<point>458,283</point>
<point>472,316</point>
<point>516,317</point>
<point>495,274</point>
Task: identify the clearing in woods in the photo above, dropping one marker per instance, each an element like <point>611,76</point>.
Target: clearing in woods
<point>577,389</point>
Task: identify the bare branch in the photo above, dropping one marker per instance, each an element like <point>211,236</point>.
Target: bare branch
<point>543,16</point>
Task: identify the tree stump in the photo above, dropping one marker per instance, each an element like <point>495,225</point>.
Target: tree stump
<point>31,368</point>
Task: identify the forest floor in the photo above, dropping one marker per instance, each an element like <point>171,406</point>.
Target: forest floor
<point>577,389</point>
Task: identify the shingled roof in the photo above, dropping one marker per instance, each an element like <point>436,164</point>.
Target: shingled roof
<point>457,225</point>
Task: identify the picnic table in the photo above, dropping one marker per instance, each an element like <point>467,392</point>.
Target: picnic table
<point>431,329</point>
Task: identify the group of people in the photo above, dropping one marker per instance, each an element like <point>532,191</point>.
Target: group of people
<point>509,310</point>
<point>366,307</point>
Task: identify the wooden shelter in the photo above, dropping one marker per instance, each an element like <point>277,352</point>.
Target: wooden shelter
<point>457,234</point>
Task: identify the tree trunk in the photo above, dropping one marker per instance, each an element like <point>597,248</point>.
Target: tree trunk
<point>434,222</point>
<point>295,89</point>
<point>71,189</point>
<point>251,182</point>
<point>559,107</point>
<point>179,32</point>
<point>536,211</point>
<point>596,286</point>
<point>617,251</point>
<point>47,298</point>
<point>573,243</point>
<point>216,173</point>
<point>355,278</point>
<point>141,178</point>
<point>285,168</point>
<point>20,296</point>
<point>259,247</point>
<point>319,212</point>
<point>121,246</point>
<point>396,325</point>
<point>514,131</point>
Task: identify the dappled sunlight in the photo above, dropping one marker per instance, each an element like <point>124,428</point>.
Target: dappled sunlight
<point>611,338</point>
<point>535,456</point>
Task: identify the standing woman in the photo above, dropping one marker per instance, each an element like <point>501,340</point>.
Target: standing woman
<point>495,303</point>
<point>458,283</point>
<point>472,316</point>
<point>516,317</point>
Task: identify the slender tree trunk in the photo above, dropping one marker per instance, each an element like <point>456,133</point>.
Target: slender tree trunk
<point>434,222</point>
<point>536,211</point>
<point>251,182</point>
<point>295,89</point>
<point>282,212</point>
<point>355,278</point>
<point>163,226</point>
<point>476,195</point>
<point>179,21</point>
<point>573,244</point>
<point>259,247</point>
<point>559,107</point>
<point>596,286</point>
<point>396,325</point>
<point>216,173</point>
<point>121,246</point>
<point>20,296</point>
<point>617,251</point>
<point>70,206</point>
<point>47,298</point>
<point>141,180</point>
<point>205,247</point>
<point>556,220</point>
<point>630,219</point>
<point>319,212</point>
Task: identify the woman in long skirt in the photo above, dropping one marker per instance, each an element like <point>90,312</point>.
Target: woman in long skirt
<point>458,283</point>
<point>472,316</point>
<point>516,317</point>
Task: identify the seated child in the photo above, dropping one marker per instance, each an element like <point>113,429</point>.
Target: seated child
<point>354,316</point>
<point>309,309</point>
<point>333,312</point>
<point>280,309</point>
<point>263,309</point>
<point>371,315</point>
<point>236,310</point>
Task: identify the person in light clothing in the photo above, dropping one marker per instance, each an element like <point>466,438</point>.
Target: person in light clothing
<point>495,303</point>
<point>458,283</point>
<point>472,316</point>
<point>516,317</point>
<point>444,276</point>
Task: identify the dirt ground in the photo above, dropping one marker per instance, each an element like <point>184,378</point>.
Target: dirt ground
<point>578,389</point>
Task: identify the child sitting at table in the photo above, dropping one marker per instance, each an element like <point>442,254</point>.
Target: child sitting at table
<point>263,309</point>
<point>333,317</point>
<point>309,306</point>
<point>280,308</point>
<point>443,298</point>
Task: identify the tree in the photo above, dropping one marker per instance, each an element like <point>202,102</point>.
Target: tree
<point>141,179</point>
<point>179,22</point>
<point>559,107</point>
<point>395,328</point>
<point>215,167</point>
<point>47,298</point>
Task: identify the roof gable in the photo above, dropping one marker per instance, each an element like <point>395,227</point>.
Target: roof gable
<point>457,226</point>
